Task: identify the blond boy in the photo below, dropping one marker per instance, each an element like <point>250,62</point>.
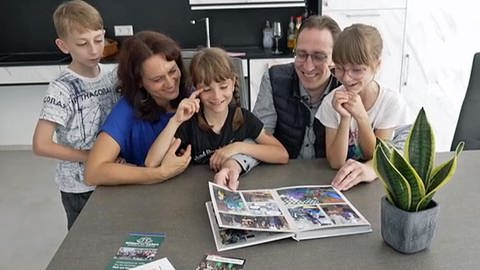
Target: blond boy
<point>76,102</point>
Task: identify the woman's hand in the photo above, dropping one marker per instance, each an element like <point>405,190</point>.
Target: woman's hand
<point>352,173</point>
<point>173,164</point>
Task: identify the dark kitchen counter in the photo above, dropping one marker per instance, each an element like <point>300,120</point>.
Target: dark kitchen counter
<point>34,58</point>
<point>57,58</point>
<point>256,52</point>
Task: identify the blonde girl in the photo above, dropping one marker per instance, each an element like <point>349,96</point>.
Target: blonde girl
<point>359,110</point>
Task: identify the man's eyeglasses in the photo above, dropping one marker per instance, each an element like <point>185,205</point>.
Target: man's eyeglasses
<point>355,73</point>
<point>317,58</point>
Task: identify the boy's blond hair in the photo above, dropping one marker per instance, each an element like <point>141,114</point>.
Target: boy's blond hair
<point>76,15</point>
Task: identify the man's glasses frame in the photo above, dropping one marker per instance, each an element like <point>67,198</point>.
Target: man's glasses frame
<point>317,58</point>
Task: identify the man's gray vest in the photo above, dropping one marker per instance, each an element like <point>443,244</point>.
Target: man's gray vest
<point>293,115</point>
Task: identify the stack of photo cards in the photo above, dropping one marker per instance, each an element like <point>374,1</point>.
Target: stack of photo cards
<point>215,262</point>
<point>161,264</point>
<point>138,249</point>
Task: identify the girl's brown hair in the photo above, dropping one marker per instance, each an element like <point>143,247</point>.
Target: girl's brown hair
<point>358,44</point>
<point>133,54</point>
<point>215,65</point>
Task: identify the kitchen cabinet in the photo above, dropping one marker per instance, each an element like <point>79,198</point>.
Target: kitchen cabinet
<point>330,5</point>
<point>389,18</point>
<point>205,2</point>
<point>257,68</point>
<point>28,74</point>
<point>234,4</point>
<point>440,43</point>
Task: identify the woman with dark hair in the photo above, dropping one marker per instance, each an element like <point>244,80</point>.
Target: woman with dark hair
<point>213,124</point>
<point>150,78</point>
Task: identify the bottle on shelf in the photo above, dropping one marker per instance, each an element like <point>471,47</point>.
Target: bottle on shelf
<point>298,24</point>
<point>267,36</point>
<point>291,38</point>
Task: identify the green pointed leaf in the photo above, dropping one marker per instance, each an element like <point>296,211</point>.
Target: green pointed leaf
<point>424,202</point>
<point>409,173</point>
<point>387,146</point>
<point>441,175</point>
<point>420,147</point>
<point>397,185</point>
<point>390,197</point>
<point>387,150</point>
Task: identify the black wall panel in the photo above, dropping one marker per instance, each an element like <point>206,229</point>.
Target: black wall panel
<point>26,25</point>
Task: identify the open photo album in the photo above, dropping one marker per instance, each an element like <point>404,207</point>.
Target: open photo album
<point>249,217</point>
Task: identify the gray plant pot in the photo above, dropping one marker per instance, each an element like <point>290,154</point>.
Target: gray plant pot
<point>408,232</point>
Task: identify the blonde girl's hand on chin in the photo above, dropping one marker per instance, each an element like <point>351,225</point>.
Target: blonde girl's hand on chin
<point>355,106</point>
<point>340,98</point>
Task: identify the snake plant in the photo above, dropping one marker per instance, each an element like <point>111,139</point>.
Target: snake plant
<point>412,179</point>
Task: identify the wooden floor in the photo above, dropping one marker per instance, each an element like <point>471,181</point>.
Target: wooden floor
<point>32,219</point>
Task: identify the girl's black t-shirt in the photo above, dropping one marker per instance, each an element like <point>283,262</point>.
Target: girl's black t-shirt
<point>204,143</point>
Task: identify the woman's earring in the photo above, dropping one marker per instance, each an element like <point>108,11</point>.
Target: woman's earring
<point>146,97</point>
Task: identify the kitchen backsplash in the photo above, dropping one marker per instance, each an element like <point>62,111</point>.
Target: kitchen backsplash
<point>27,24</point>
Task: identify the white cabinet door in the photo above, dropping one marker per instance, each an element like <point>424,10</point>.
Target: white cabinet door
<point>328,5</point>
<point>28,74</point>
<point>233,4</point>
<point>391,25</point>
<point>441,40</point>
<point>257,68</point>
<point>206,2</point>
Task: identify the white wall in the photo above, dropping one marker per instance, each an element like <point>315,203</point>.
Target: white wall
<point>442,37</point>
<point>19,110</point>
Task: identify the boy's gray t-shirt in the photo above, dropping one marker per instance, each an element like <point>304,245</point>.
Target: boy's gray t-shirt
<point>79,106</point>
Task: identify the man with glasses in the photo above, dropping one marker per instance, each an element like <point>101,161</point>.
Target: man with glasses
<point>290,95</point>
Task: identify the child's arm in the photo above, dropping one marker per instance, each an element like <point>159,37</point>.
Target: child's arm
<point>229,174</point>
<point>267,149</point>
<point>367,137</point>
<point>43,144</point>
<point>336,143</point>
<point>336,135</point>
<point>366,134</point>
<point>186,109</point>
<point>101,168</point>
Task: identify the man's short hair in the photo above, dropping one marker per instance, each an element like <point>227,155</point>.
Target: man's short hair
<point>76,15</point>
<point>321,22</point>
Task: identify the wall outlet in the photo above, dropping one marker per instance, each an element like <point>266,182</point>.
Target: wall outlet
<point>123,30</point>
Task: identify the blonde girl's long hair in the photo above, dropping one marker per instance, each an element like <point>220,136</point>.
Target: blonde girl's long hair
<point>359,44</point>
<point>215,65</point>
